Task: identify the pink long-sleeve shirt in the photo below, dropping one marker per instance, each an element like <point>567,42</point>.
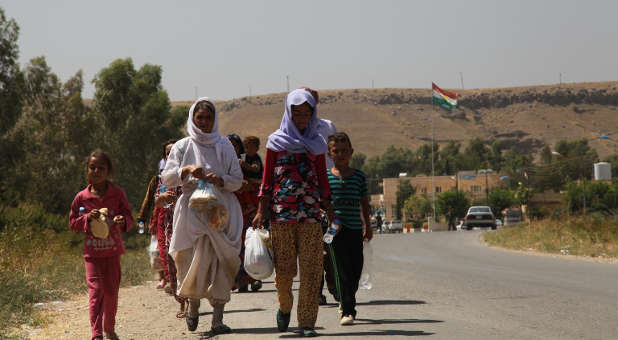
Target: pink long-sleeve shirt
<point>115,200</point>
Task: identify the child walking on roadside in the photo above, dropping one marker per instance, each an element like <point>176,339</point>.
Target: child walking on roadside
<point>351,204</point>
<point>103,244</point>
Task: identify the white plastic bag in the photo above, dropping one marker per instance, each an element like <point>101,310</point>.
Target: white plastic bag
<point>153,251</point>
<point>204,200</point>
<point>258,261</point>
<point>365,282</point>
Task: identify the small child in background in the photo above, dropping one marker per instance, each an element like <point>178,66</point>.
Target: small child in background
<point>252,166</point>
<point>102,255</point>
<point>351,204</point>
<point>247,197</point>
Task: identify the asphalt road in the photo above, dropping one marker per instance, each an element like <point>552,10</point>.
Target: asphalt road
<point>448,285</point>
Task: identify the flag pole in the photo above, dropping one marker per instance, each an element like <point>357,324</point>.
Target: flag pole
<point>433,187</point>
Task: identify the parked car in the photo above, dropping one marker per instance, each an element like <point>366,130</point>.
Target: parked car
<point>394,226</point>
<point>512,217</point>
<point>479,216</point>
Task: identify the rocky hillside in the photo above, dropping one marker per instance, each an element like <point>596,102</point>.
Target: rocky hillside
<point>525,117</point>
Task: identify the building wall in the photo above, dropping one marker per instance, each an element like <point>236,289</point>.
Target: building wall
<point>471,182</point>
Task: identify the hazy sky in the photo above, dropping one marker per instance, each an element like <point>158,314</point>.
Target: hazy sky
<point>226,48</point>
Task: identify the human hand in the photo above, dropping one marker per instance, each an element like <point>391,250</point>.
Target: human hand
<point>214,179</point>
<point>368,233</point>
<point>93,215</point>
<point>165,198</point>
<point>258,220</point>
<point>119,219</point>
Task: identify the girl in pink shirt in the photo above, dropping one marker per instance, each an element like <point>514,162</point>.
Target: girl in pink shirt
<point>102,255</point>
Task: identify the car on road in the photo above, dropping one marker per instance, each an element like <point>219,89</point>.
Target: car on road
<point>479,216</point>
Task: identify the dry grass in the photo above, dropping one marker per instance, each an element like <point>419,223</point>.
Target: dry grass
<point>594,236</point>
<point>38,264</point>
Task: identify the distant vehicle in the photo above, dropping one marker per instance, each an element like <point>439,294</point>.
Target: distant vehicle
<point>499,223</point>
<point>394,226</point>
<point>512,217</point>
<point>479,216</point>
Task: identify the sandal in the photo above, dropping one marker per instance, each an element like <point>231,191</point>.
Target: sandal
<point>283,320</point>
<point>309,332</point>
<point>192,322</point>
<point>221,329</point>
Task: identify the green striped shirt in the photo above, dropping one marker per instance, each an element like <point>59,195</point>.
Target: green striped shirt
<point>346,195</point>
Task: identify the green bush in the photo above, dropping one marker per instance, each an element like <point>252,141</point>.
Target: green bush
<point>41,260</point>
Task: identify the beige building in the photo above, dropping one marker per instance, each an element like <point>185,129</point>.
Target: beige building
<point>475,183</point>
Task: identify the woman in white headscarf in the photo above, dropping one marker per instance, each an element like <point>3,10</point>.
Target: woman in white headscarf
<point>206,258</point>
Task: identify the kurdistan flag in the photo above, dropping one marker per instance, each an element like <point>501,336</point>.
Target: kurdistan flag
<point>446,99</point>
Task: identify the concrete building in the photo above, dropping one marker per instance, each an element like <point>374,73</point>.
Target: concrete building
<point>475,183</point>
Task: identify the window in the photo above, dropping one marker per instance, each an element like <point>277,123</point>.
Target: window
<point>438,189</point>
<point>475,188</point>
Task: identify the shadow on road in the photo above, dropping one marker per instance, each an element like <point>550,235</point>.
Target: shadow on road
<point>365,333</point>
<point>237,311</point>
<point>392,321</point>
<point>391,302</point>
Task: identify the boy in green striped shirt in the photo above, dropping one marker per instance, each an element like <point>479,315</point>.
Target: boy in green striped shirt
<point>351,204</point>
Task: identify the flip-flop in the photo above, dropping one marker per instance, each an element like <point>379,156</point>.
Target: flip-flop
<point>192,322</point>
<point>221,329</point>
<point>283,320</point>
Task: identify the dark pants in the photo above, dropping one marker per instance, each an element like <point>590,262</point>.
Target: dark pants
<point>328,274</point>
<point>348,246</point>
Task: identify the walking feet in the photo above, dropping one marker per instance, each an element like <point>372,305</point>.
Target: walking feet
<point>346,320</point>
<point>256,285</point>
<point>161,284</point>
<point>111,336</point>
<point>193,316</point>
<point>309,332</point>
<point>283,321</point>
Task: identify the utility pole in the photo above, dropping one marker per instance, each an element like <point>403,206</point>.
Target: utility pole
<point>560,78</point>
<point>287,80</point>
<point>371,83</point>
<point>461,78</point>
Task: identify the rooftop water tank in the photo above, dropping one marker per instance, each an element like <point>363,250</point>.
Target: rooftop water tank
<point>602,171</point>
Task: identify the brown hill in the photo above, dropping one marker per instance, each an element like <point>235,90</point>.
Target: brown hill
<point>525,117</point>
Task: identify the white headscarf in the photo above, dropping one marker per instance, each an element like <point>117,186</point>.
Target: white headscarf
<point>206,139</point>
<point>198,135</point>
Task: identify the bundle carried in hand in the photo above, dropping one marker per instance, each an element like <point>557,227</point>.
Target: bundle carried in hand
<point>99,227</point>
<point>204,201</point>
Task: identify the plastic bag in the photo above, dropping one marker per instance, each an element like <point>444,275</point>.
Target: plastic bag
<point>258,261</point>
<point>204,200</point>
<point>153,251</point>
<point>365,280</point>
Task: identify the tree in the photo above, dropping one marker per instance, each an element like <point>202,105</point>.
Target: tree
<point>452,204</point>
<point>500,199</point>
<point>11,79</point>
<point>417,207</point>
<point>135,113</point>
<point>404,191</point>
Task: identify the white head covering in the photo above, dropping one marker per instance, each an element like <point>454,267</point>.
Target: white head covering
<point>207,139</point>
<point>198,135</point>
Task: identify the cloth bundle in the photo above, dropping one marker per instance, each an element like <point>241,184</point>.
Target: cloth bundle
<point>204,200</point>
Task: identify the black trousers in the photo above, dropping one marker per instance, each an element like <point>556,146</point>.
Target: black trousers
<point>348,246</point>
